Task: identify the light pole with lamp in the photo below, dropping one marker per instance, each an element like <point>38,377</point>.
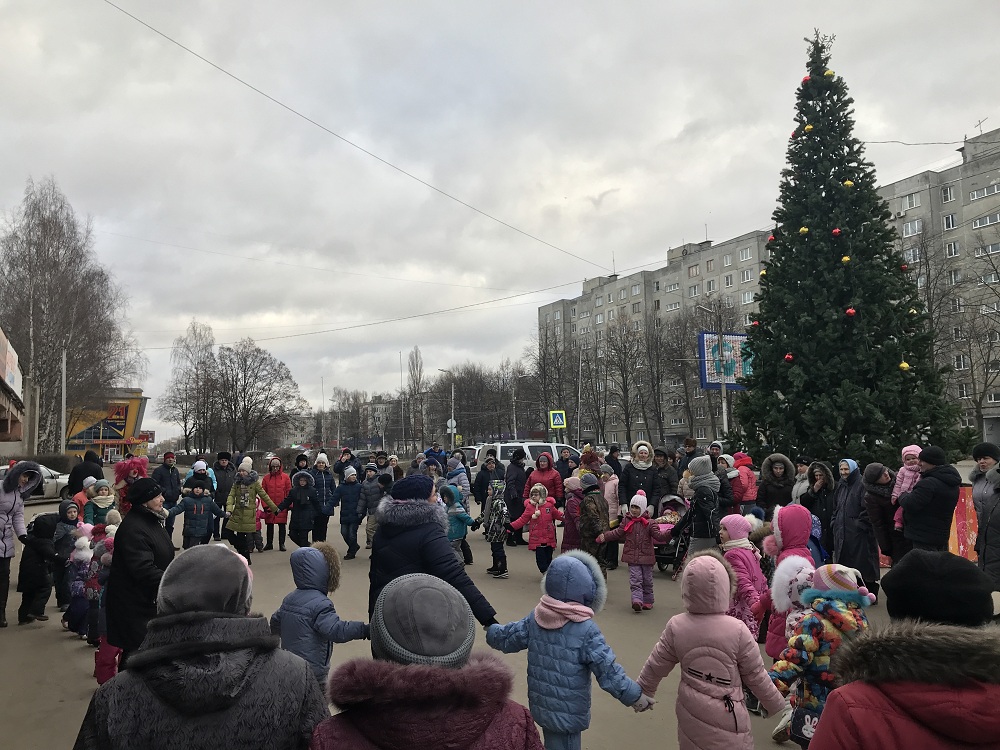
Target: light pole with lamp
<point>720,361</point>
<point>513,403</point>
<point>452,425</point>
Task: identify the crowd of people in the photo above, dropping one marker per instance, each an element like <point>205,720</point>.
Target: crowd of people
<point>790,560</point>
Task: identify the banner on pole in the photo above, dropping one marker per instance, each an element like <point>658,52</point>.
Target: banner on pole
<point>731,363</point>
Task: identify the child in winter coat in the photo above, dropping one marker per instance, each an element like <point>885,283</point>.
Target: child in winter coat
<point>744,558</point>
<point>97,507</point>
<point>64,539</point>
<point>34,573</point>
<point>638,533</point>
<point>540,515</point>
<point>573,492</point>
<point>906,478</point>
<point>200,512</point>
<point>306,621</point>
<point>371,496</point>
<point>609,481</point>
<point>348,497</point>
<point>383,483</point>
<point>835,613</point>
<point>305,505</point>
<point>494,520</point>
<point>791,527</point>
<point>459,520</point>
<point>564,647</point>
<point>107,656</point>
<point>717,656</point>
<point>77,573</point>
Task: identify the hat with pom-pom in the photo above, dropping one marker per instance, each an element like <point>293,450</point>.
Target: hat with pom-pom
<point>737,526</point>
<point>840,578</point>
<point>113,518</point>
<point>639,500</point>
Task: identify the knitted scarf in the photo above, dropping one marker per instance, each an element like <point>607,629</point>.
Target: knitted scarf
<point>552,614</point>
<point>741,544</point>
<point>632,520</point>
<point>705,480</point>
<point>102,501</point>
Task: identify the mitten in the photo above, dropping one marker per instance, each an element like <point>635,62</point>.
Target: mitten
<point>23,539</point>
<point>510,529</point>
<point>474,526</point>
<point>645,703</point>
<point>758,609</point>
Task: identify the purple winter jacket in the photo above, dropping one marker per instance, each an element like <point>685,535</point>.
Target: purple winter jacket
<point>12,504</point>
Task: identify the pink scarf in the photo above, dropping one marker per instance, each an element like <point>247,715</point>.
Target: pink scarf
<point>632,520</point>
<point>552,614</point>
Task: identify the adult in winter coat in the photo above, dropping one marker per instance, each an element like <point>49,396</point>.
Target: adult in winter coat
<point>348,497</point>
<point>242,507</point>
<point>930,679</point>
<point>878,481</point>
<point>573,492</point>
<point>346,459</point>
<point>745,488</point>
<point>777,475</point>
<point>127,473</point>
<point>664,478</point>
<point>854,542</point>
<point>488,472</point>
<point>371,494</point>
<point>801,485</point>
<point>459,476</point>
<point>613,459</point>
<point>303,501</point>
<point>384,702</point>
<point>324,484</point>
<point>928,509</point>
<point>988,539</point>
<point>142,552</point>
<point>594,520</point>
<point>546,475</point>
<point>225,476</point>
<point>703,516</point>
<point>515,481</point>
<point>819,499</point>
<point>637,474</point>
<point>90,466</point>
<point>210,675</point>
<point>412,538</point>
<point>18,483</point>
<point>690,452</point>
<point>169,479</point>
<point>562,464</point>
<point>791,526</point>
<point>276,484</point>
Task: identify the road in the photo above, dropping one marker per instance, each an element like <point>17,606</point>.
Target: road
<point>49,671</point>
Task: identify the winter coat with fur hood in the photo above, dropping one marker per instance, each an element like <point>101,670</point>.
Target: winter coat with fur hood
<point>791,527</point>
<point>637,476</point>
<point>541,530</point>
<point>412,538</point>
<point>915,685</point>
<point>242,503</point>
<point>12,504</point>
<point>303,502</point>
<point>384,704</point>
<point>717,656</point>
<point>306,621</point>
<point>549,478</point>
<point>773,491</point>
<point>206,680</point>
<point>820,503</point>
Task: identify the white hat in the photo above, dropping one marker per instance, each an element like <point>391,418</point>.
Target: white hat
<point>350,471</point>
<point>89,482</point>
<point>321,458</point>
<point>246,464</point>
<point>639,500</point>
<point>199,466</point>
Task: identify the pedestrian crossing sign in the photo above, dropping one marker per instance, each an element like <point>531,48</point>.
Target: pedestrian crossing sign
<point>557,420</point>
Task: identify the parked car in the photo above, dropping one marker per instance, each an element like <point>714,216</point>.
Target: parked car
<point>54,486</point>
<point>534,450</point>
<point>471,452</point>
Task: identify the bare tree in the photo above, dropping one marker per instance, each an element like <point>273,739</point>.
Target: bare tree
<point>191,400</point>
<point>623,348</point>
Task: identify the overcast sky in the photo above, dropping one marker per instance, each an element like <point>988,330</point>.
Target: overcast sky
<point>597,127</point>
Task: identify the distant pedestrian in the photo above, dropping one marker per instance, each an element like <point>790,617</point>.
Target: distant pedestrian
<point>277,484</point>
<point>540,516</point>
<point>514,483</point>
<point>494,519</point>
<point>241,507</point>
<point>324,484</point>
<point>305,506</point>
<point>854,543</point>
<point>169,478</point>
<point>200,512</point>
<point>638,533</point>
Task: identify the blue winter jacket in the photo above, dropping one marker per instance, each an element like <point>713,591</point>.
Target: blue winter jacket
<point>560,663</point>
<point>199,513</point>
<point>458,521</point>
<point>324,489</point>
<point>306,620</point>
<point>347,496</point>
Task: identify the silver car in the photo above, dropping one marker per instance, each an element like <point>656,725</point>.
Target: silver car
<point>54,486</point>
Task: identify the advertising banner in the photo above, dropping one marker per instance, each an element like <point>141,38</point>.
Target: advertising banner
<point>729,363</point>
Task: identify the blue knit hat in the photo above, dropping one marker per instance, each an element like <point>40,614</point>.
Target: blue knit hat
<point>415,487</point>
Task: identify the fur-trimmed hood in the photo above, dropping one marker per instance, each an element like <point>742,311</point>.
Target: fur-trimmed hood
<point>767,471</point>
<point>395,512</point>
<point>911,651</point>
<point>311,481</point>
<point>791,579</point>
<point>642,465</point>
<point>562,580</point>
<point>820,467</point>
<point>316,568</point>
<point>13,475</point>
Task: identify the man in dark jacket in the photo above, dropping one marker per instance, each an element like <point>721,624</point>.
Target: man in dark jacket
<point>89,467</point>
<point>613,460</point>
<point>490,471</point>
<point>562,465</point>
<point>169,480</point>
<point>346,459</point>
<point>412,538</point>
<point>691,451</point>
<point>929,507</point>
<point>513,493</point>
<point>225,477</point>
<point>664,478</point>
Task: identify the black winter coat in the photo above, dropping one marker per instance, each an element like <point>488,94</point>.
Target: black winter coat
<point>224,481</point>
<point>303,501</point>
<point>89,467</point>
<point>169,480</point>
<point>703,516</point>
<point>726,498</point>
<point>482,483</point>
<point>143,550</point>
<point>39,557</point>
<point>513,493</point>
<point>348,497</point>
<point>206,679</point>
<point>412,538</point>
<point>664,482</point>
<point>371,493</point>
<point>820,504</point>
<point>988,541</point>
<point>632,480</point>
<point>929,507</point>
<point>854,542</point>
<point>878,503</point>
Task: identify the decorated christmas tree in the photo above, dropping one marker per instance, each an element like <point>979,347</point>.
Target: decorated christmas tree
<point>841,352</point>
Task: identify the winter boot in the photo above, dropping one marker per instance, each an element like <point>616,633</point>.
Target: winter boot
<point>501,573</point>
<point>783,730</point>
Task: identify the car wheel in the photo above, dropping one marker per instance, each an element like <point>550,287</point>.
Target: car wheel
<point>64,495</point>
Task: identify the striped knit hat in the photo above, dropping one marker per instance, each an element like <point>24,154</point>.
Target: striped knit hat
<point>840,578</point>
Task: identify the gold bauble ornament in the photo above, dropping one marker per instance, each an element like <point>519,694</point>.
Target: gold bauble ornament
<point>829,73</point>
<point>848,184</point>
<point>846,259</point>
<point>804,230</point>
<point>763,272</point>
<point>904,365</point>
<point>808,128</point>
<point>913,311</point>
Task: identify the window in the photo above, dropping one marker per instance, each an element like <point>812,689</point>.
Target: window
<point>657,322</point>
<point>700,433</point>
<point>699,393</point>
<point>693,271</point>
<point>993,398</point>
<point>983,192</point>
<point>642,434</point>
<point>711,286</point>
<point>956,333</point>
<point>671,306</point>
<point>988,249</point>
<point>947,194</point>
<point>613,437</point>
<point>950,221</point>
<point>599,302</point>
<point>728,281</point>
<point>572,312</point>
<point>728,300</point>
<point>599,319</point>
<point>964,391</point>
<point>585,314</point>
<point>745,276</point>
<point>636,325</point>
<point>988,309</point>
<point>911,254</point>
<point>635,307</point>
<point>621,312</point>
<point>746,298</point>
<point>635,289</point>
<point>610,298</point>
<point>694,290</point>
<point>968,420</point>
<point>912,228</point>
<point>674,421</point>
<point>921,281</point>
<point>727,260</point>
<point>961,362</point>
<point>990,278</point>
<point>557,315</point>
<point>611,315</point>
<point>558,332</point>
<point>656,304</point>
<point>746,253</point>
<point>546,317</point>
<point>673,287</point>
<point>676,401</point>
<point>951,250</point>
<point>622,293</point>
<point>674,383</point>
<point>985,221</point>
<point>599,335</point>
<point>957,305</point>
<point>747,320</point>
<point>709,265</point>
<point>910,201</point>
<point>699,412</point>
<point>954,277</point>
<point>656,286</point>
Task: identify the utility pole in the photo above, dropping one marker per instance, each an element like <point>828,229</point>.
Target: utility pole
<point>579,398</point>
<point>513,406</point>
<point>322,413</point>
<point>62,433</point>
<point>402,404</point>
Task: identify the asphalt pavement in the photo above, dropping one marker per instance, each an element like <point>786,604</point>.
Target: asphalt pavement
<point>49,672</point>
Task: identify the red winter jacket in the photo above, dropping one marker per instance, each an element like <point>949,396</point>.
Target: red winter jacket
<point>277,486</point>
<point>548,478</point>
<point>571,521</point>
<point>745,487</point>
<point>792,525</point>
<point>914,685</point>
<point>541,530</point>
<point>638,536</point>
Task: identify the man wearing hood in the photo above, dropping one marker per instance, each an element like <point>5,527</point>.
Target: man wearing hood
<point>206,671</point>
<point>89,467</point>
<point>929,507</point>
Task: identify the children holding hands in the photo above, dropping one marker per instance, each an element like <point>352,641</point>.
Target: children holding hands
<point>540,515</point>
<point>638,533</point>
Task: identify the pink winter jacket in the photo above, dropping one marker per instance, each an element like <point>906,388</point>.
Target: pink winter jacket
<point>638,536</point>
<point>717,656</point>
<point>611,495</point>
<point>792,525</point>
<point>751,586</point>
<point>571,520</point>
<point>541,530</point>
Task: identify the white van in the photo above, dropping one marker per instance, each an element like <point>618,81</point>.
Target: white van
<point>533,451</point>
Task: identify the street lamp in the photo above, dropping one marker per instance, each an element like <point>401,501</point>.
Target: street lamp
<point>719,360</point>
<point>451,422</point>
<point>513,402</point>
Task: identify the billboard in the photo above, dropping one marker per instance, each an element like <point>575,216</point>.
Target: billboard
<point>730,363</point>
<point>9,370</point>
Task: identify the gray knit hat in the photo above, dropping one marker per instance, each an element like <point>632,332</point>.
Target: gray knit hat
<point>700,466</point>
<point>589,480</point>
<point>420,619</point>
<point>206,578</point>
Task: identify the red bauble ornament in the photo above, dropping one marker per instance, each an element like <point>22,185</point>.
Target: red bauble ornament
<point>771,238</point>
<point>755,323</point>
<point>794,133</point>
<point>836,232</point>
<point>850,312</point>
<point>789,357</point>
<point>904,267</point>
<point>805,79</point>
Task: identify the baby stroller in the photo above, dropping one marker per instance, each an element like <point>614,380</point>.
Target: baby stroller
<point>672,509</point>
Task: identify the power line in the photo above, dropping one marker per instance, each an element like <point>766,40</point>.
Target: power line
<point>934,143</point>
<point>349,142</point>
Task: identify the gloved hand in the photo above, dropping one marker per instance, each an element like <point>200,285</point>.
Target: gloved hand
<point>474,526</point>
<point>510,529</point>
<point>23,539</point>
<point>757,609</point>
<point>645,703</point>
<point>600,539</point>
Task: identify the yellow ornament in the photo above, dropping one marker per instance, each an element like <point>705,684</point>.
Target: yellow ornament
<point>913,311</point>
<point>846,259</point>
<point>808,128</point>
<point>828,73</point>
<point>848,184</point>
<point>804,230</point>
<point>904,366</point>
<point>763,272</point>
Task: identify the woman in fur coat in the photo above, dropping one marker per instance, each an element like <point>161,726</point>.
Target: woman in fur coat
<point>777,476</point>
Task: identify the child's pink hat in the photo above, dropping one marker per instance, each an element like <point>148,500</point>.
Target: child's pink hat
<point>840,578</point>
<point>737,526</point>
<point>914,449</point>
